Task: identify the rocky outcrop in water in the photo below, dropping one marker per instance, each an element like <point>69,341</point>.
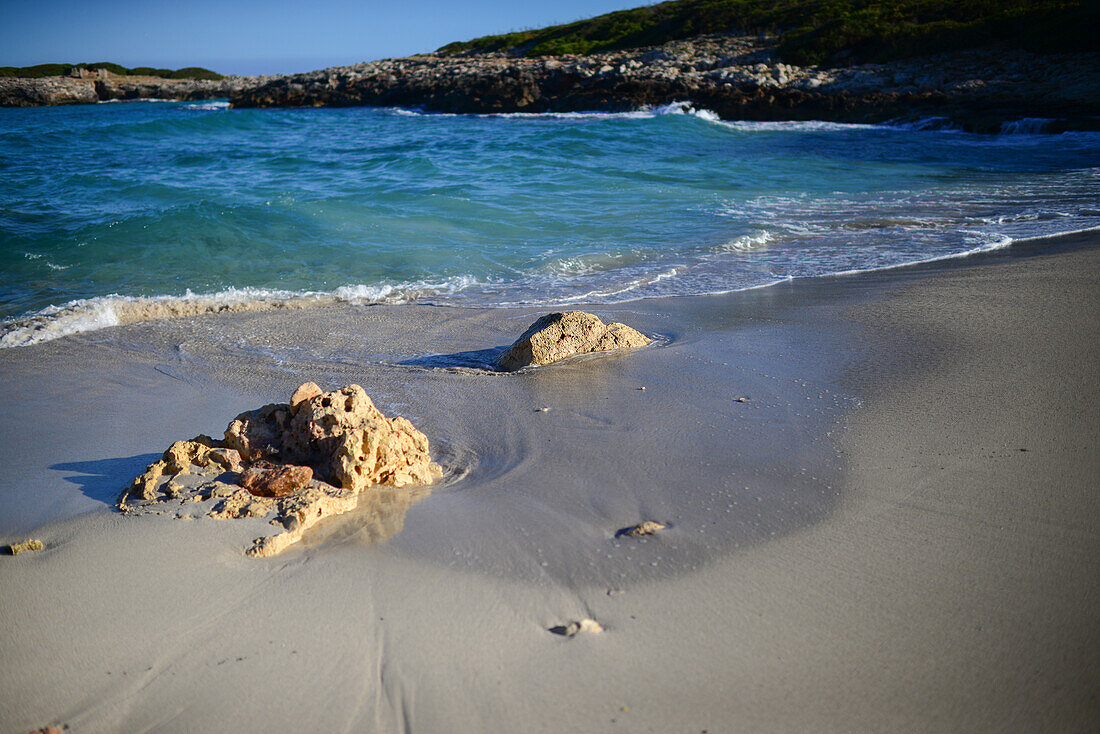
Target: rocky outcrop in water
<point>300,461</point>
<point>557,336</point>
<point>737,77</point>
<point>61,90</point>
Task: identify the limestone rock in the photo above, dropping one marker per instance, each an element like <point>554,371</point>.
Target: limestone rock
<point>350,442</point>
<point>228,459</point>
<point>298,464</point>
<point>559,335</point>
<point>300,511</point>
<point>26,546</point>
<point>643,528</point>
<point>277,481</point>
<point>306,392</point>
<point>242,503</point>
<point>258,434</point>
<point>182,454</point>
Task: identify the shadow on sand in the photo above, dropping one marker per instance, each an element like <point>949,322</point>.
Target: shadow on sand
<point>104,479</point>
<point>476,359</point>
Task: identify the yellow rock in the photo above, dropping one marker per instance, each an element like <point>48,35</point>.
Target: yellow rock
<point>557,336</point>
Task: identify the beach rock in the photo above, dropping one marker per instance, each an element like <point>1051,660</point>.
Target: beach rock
<point>353,445</point>
<point>144,486</point>
<point>223,458</point>
<point>557,336</point>
<point>572,629</point>
<point>277,481</point>
<point>306,392</point>
<point>258,434</point>
<point>300,461</point>
<point>242,503</point>
<point>300,511</point>
<point>643,528</point>
<point>182,454</point>
<point>26,546</point>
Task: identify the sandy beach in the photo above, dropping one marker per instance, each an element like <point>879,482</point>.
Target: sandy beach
<point>880,493</point>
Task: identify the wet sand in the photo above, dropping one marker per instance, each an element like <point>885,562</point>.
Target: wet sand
<point>860,545</point>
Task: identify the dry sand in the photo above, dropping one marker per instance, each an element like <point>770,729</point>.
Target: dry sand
<point>861,545</point>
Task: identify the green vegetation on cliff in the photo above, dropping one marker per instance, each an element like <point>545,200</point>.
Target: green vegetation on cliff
<point>41,70</point>
<point>821,31</point>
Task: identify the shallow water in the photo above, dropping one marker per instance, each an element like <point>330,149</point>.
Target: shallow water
<point>198,207</point>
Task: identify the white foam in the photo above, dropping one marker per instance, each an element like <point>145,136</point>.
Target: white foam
<point>215,104</point>
<point>91,314</point>
<point>747,242</point>
<point>793,125</point>
<point>646,112</point>
<point>996,242</point>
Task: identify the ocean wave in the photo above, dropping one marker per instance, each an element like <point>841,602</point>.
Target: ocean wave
<point>91,314</point>
<point>210,104</point>
<point>746,242</point>
<point>642,113</point>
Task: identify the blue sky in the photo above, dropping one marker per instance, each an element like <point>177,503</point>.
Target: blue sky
<point>254,36</point>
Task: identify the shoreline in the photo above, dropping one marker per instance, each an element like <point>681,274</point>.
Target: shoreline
<point>985,90</point>
<point>890,559</point>
<point>87,315</point>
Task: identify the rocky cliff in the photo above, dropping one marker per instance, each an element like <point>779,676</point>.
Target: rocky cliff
<point>58,90</point>
<point>738,77</point>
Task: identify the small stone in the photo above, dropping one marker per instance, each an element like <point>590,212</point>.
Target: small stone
<point>572,629</point>
<point>740,399</point>
<point>276,482</point>
<point>308,391</point>
<point>543,409</point>
<point>643,528</point>
<point>642,387</point>
<point>31,544</point>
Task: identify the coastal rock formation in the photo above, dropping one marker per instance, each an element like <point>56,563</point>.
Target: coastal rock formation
<point>275,481</point>
<point>341,435</point>
<point>60,90</point>
<point>736,77</point>
<point>300,461</point>
<point>559,335</point>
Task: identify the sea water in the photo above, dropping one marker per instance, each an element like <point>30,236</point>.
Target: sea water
<point>120,212</point>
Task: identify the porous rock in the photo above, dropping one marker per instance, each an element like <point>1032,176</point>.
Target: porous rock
<point>643,528</point>
<point>31,544</point>
<point>298,462</point>
<point>300,511</point>
<point>303,393</point>
<point>277,481</point>
<point>557,336</point>
<point>258,434</point>
<point>242,503</point>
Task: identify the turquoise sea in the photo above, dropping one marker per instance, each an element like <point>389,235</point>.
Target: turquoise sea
<point>118,212</point>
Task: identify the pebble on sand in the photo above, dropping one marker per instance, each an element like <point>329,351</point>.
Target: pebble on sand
<point>26,546</point>
<point>572,629</point>
<point>643,528</point>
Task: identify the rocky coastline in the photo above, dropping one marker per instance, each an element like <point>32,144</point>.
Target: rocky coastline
<point>63,90</point>
<point>737,77</point>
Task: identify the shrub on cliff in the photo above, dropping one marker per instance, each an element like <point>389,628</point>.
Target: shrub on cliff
<point>820,31</point>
